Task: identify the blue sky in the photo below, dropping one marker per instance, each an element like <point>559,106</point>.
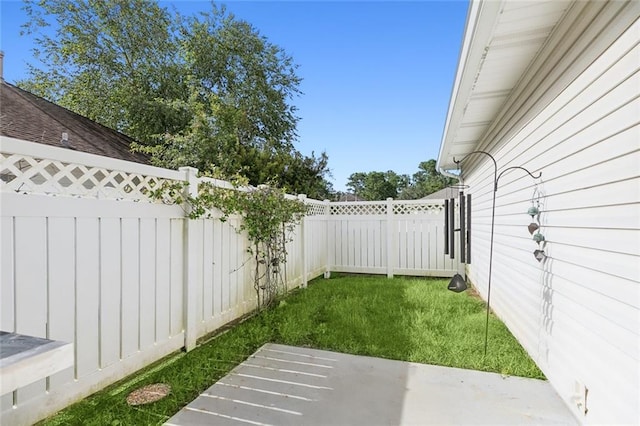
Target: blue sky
<point>377,76</point>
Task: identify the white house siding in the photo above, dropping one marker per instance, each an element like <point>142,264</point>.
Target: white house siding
<point>578,313</point>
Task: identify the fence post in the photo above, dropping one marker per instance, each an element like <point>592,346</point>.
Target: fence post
<point>303,232</point>
<point>330,240</point>
<point>391,239</point>
<point>190,273</point>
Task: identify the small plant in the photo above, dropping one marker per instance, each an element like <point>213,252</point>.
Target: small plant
<point>268,218</point>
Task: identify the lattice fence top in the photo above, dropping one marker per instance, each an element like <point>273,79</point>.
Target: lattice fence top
<point>359,209</point>
<point>380,208</point>
<point>422,208</point>
<point>315,208</point>
<point>22,169</point>
<point>23,173</point>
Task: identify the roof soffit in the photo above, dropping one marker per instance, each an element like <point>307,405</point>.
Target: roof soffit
<point>582,33</point>
<point>501,41</point>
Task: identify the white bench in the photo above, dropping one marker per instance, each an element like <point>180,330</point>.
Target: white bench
<point>27,359</point>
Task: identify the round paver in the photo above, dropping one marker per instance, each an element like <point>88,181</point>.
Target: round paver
<point>148,394</point>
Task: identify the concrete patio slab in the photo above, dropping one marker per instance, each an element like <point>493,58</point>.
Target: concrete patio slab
<point>284,385</point>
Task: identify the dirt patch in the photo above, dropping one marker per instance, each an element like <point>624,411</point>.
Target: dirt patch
<point>472,292</point>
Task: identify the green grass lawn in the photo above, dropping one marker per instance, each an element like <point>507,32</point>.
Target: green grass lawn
<point>403,318</point>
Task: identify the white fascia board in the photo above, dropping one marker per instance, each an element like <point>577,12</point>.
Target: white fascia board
<point>481,21</point>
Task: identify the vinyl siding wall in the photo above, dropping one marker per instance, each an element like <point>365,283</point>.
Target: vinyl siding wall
<point>578,313</point>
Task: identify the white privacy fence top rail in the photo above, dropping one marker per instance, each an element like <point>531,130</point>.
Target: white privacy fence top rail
<point>403,207</point>
<point>219,183</point>
<point>359,208</point>
<point>35,168</point>
<point>398,207</point>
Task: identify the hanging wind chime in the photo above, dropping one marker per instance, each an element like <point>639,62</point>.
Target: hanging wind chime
<point>458,283</point>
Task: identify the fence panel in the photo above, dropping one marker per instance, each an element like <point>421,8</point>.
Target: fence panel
<point>393,237</point>
<point>30,276</point>
<point>358,243</point>
<point>163,279</point>
<point>225,278</point>
<point>293,267</point>
<point>61,319</point>
<point>316,245</point>
<point>88,257</point>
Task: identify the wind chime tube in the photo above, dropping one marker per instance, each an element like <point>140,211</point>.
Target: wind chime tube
<point>468,229</point>
<point>463,232</point>
<point>446,226</point>
<point>452,222</point>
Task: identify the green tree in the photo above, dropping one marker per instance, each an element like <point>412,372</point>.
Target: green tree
<point>377,185</point>
<point>207,91</point>
<point>247,81</point>
<point>115,62</point>
<point>426,181</point>
<point>381,185</point>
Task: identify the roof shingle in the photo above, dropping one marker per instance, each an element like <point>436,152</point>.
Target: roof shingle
<point>26,116</point>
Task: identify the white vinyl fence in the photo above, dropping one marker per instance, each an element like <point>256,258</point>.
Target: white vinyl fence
<point>389,237</point>
<point>87,257</point>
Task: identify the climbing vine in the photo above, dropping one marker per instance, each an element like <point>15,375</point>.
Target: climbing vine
<point>268,218</point>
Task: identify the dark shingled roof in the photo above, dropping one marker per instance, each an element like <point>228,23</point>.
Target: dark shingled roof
<point>26,116</point>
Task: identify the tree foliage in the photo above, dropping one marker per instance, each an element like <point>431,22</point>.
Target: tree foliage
<point>207,91</point>
<point>425,181</point>
<point>377,185</point>
<point>112,61</point>
<point>382,185</point>
<point>268,219</point>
